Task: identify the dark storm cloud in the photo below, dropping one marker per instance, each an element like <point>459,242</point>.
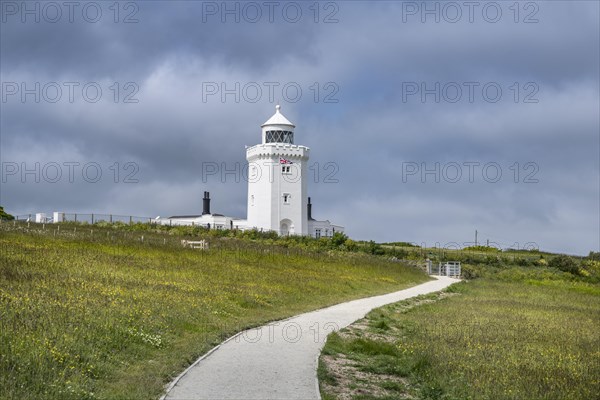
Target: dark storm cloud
<point>163,29</point>
<point>369,135</point>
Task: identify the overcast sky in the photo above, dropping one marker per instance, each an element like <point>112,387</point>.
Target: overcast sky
<point>426,121</point>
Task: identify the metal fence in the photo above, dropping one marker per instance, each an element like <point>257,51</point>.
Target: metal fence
<point>83,218</point>
<point>447,268</point>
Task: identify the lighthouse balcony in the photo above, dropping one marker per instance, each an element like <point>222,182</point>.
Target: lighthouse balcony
<point>270,150</point>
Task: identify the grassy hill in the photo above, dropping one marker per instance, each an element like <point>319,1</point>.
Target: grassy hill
<point>523,329</point>
<point>113,311</point>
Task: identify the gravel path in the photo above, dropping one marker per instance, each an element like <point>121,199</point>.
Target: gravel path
<point>279,360</point>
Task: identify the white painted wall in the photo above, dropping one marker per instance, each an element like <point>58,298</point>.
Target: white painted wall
<point>326,228</point>
<point>267,185</point>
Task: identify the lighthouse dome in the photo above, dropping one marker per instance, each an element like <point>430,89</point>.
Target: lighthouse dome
<point>278,119</point>
<point>278,129</point>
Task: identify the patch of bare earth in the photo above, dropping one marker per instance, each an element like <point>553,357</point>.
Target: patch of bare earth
<point>349,380</point>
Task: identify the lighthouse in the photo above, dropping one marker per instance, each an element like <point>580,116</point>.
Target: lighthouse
<point>277,179</point>
<point>277,189</point>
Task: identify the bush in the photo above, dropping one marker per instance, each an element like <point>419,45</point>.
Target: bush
<point>594,256</point>
<point>398,253</point>
<point>4,215</point>
<point>350,245</point>
<point>338,239</point>
<point>482,249</point>
<point>523,262</point>
<point>565,264</point>
<point>401,244</point>
<point>591,268</point>
<point>470,271</point>
<point>542,262</point>
<point>492,260</point>
<point>374,248</point>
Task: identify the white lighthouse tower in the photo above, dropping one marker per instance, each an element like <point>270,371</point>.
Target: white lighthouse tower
<point>277,180</point>
<point>277,189</point>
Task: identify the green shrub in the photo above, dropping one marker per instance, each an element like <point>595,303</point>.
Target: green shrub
<point>482,248</point>
<point>594,256</point>
<point>350,245</point>
<point>590,268</point>
<point>338,239</point>
<point>565,264</point>
<point>542,262</point>
<point>4,215</point>
<point>471,271</point>
<point>524,262</point>
<point>492,260</point>
<point>401,244</point>
<point>374,248</point>
<point>398,253</point>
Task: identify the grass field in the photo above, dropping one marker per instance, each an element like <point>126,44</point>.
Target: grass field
<point>519,334</point>
<point>89,312</point>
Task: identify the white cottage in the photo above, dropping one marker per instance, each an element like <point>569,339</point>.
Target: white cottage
<point>277,188</point>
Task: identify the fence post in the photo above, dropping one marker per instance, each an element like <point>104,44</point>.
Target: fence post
<point>92,219</point>
<point>75,217</point>
<point>111,218</point>
<point>130,220</point>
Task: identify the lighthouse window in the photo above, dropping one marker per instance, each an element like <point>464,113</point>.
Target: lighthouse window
<point>286,169</point>
<point>286,198</point>
<point>279,137</point>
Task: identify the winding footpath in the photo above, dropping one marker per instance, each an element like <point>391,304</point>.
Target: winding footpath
<point>279,360</point>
